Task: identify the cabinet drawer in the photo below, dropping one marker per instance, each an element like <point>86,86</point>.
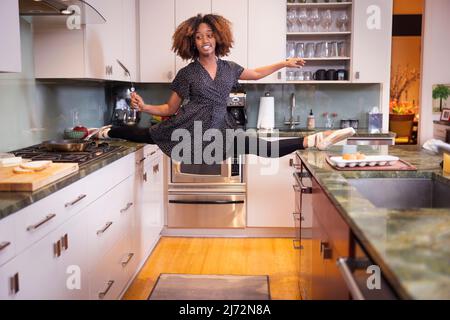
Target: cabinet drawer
<point>109,276</point>
<point>7,239</point>
<point>109,218</point>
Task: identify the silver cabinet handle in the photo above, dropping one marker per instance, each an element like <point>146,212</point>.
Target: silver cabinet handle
<point>4,245</point>
<point>279,75</point>
<point>298,216</point>
<point>127,261</point>
<point>297,245</point>
<point>156,169</point>
<point>349,279</point>
<point>142,160</point>
<point>57,249</point>
<point>47,219</point>
<point>327,252</point>
<point>292,164</point>
<point>108,224</point>
<point>145,176</point>
<point>14,284</point>
<point>129,205</point>
<point>151,153</point>
<point>302,189</point>
<point>101,295</point>
<point>357,75</point>
<point>80,197</point>
<point>65,242</point>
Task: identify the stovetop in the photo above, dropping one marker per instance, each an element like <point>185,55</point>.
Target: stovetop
<point>91,153</point>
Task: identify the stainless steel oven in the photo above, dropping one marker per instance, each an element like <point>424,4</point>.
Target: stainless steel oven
<point>229,171</point>
<point>207,196</point>
<point>206,210</point>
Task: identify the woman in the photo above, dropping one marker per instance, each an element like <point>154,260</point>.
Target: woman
<point>205,84</point>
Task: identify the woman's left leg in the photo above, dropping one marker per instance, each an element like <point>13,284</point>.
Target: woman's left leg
<point>268,149</point>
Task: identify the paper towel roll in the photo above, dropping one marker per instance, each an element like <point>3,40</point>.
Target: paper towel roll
<point>266,115</point>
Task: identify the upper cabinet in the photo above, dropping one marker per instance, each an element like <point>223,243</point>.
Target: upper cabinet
<point>10,55</point>
<point>92,50</point>
<point>267,35</point>
<point>372,38</point>
<point>157,25</point>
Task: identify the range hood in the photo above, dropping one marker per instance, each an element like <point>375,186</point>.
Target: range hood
<point>64,8</point>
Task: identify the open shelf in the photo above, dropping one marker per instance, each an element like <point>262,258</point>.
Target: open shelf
<point>333,33</point>
<point>331,5</point>
<point>327,59</point>
<point>318,82</point>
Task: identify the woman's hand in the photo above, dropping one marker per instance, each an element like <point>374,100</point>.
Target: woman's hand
<point>137,102</point>
<point>295,63</point>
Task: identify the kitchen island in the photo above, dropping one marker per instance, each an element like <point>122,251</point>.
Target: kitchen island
<point>411,246</point>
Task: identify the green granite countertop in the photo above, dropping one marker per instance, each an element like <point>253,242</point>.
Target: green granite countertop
<point>301,132</point>
<point>11,202</point>
<point>412,247</point>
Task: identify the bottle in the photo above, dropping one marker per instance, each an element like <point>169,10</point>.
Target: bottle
<point>311,122</point>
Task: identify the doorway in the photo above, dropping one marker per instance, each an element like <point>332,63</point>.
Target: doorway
<point>405,69</point>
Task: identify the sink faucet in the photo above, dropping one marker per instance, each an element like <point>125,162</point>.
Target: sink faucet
<point>292,123</point>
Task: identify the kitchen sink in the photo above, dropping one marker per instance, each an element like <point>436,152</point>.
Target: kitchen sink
<point>404,193</point>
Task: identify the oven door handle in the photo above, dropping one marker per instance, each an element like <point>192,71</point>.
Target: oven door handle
<point>207,202</point>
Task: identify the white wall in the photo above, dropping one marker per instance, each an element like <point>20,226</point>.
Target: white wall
<point>435,60</point>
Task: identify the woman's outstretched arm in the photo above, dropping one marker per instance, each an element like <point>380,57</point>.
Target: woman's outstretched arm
<point>259,73</point>
<point>164,110</point>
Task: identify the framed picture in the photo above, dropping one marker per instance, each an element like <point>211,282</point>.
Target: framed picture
<point>445,115</point>
<point>441,97</point>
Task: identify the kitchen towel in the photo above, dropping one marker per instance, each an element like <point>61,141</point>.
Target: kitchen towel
<point>210,287</point>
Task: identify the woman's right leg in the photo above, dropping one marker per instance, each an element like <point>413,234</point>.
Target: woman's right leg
<point>130,133</point>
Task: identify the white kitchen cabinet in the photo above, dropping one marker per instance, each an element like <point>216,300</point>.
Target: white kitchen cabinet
<point>53,268</point>
<point>183,11</point>
<point>237,12</point>
<point>10,55</point>
<point>157,25</point>
<point>150,211</point>
<point>371,41</point>
<point>267,36</point>
<point>91,51</point>
<point>270,198</point>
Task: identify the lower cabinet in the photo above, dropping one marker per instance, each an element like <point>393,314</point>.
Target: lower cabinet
<point>96,252</point>
<point>269,194</point>
<point>320,278</point>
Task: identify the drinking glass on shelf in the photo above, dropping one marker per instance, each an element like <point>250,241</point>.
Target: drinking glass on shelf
<point>319,51</point>
<point>327,20</point>
<point>307,75</point>
<point>300,50</point>
<point>342,49</point>
<point>310,50</point>
<point>290,75</point>
<point>342,21</point>
<point>300,76</point>
<point>315,19</point>
<point>290,49</point>
<point>302,17</point>
<point>292,19</point>
<point>333,49</point>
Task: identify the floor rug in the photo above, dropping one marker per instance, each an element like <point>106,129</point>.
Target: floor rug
<point>210,287</point>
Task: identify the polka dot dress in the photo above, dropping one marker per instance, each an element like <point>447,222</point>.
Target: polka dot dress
<point>205,100</point>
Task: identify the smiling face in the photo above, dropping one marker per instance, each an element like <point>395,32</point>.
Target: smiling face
<point>205,40</point>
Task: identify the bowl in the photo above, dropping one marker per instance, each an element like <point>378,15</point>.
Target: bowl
<point>71,134</point>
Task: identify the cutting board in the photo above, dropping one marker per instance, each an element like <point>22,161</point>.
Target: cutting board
<point>10,181</point>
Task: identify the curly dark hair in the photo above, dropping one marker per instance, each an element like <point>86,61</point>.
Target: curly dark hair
<point>184,37</point>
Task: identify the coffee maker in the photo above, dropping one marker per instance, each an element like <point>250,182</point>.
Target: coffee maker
<point>236,106</point>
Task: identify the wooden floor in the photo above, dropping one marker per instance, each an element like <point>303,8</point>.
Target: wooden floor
<point>225,256</point>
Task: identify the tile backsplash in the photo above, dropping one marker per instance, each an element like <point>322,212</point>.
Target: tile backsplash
<point>33,110</point>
